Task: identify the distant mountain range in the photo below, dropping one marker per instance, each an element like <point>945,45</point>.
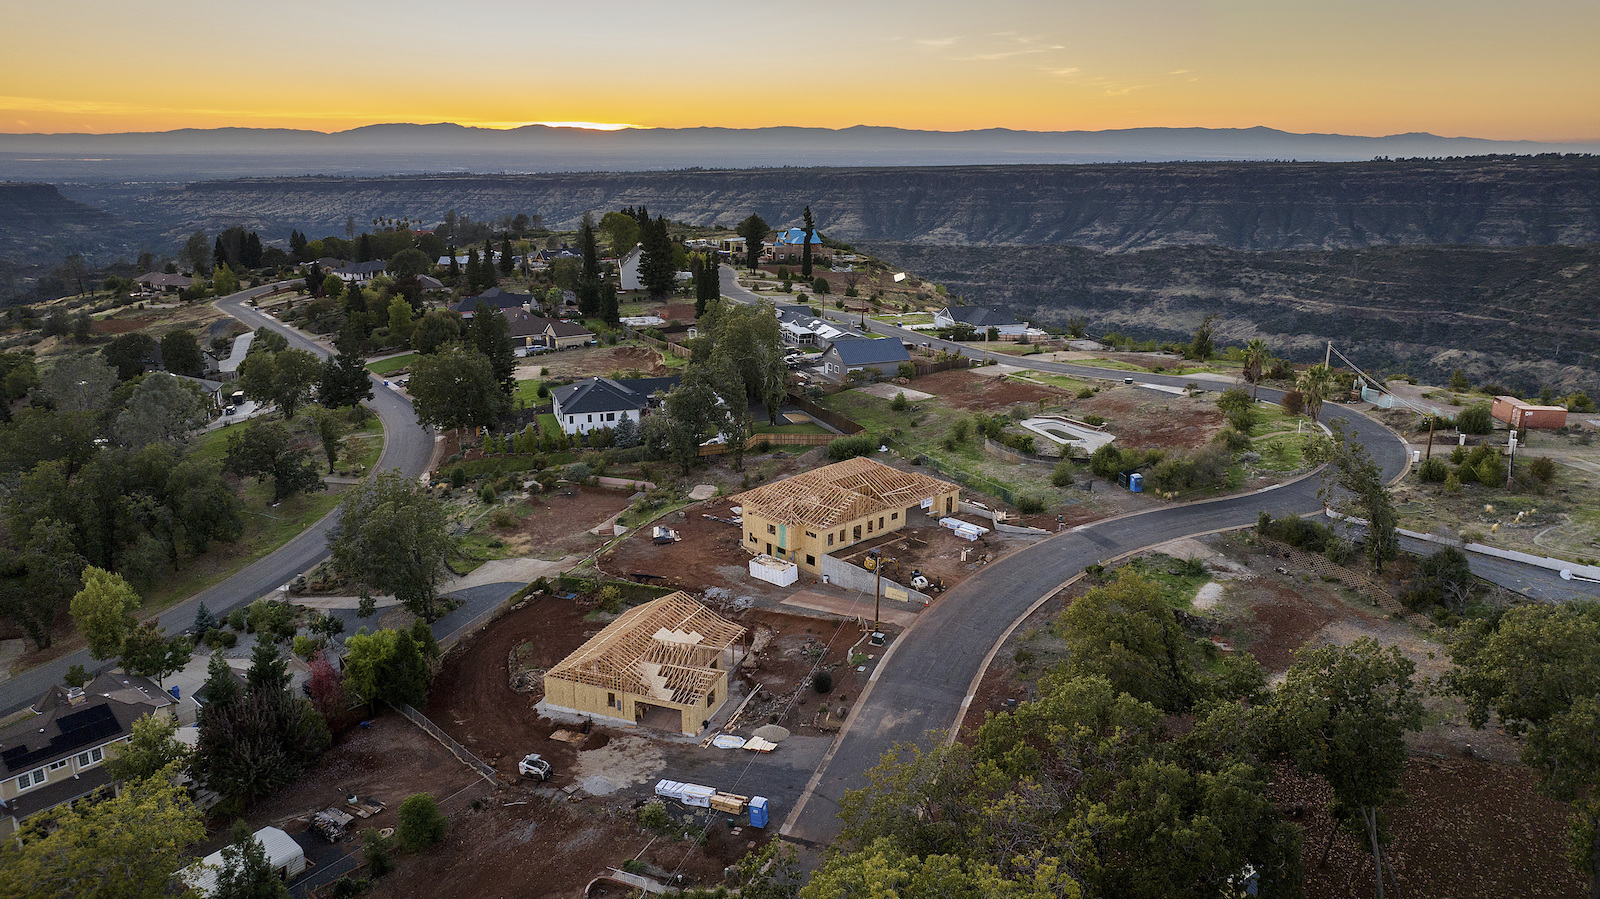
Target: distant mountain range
<point>200,154</point>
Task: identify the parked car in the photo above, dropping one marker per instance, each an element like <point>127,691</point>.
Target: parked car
<point>534,766</point>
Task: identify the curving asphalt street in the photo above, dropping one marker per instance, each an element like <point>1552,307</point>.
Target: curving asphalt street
<point>407,446</point>
<point>925,682</point>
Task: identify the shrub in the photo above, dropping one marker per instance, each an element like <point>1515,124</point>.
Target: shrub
<point>1234,439</point>
<point>458,477</point>
<point>610,599</point>
<point>1433,471</point>
<point>1294,402</point>
<point>487,494</point>
<point>961,430</point>
<point>503,519</point>
<point>379,851</point>
<point>236,619</point>
<point>305,646</point>
<point>1063,474</point>
<point>1085,393</point>
<point>1094,420</point>
<point>1475,420</point>
<point>421,823</point>
<point>900,403</point>
<point>1542,469</point>
<point>1491,472</point>
<point>348,887</point>
<point>77,676</point>
<point>1030,505</point>
<point>908,370</point>
<point>577,472</point>
<point>821,286</point>
<point>822,681</point>
<point>217,638</point>
<point>851,447</point>
<point>653,816</point>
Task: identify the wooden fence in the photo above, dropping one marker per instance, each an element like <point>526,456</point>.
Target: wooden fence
<point>755,440</point>
<point>675,349</point>
<point>827,416</point>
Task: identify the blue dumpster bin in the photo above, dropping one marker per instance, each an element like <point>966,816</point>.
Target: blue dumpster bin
<point>1136,483</point>
<point>758,811</point>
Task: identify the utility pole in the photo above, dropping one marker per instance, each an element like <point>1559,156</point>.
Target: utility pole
<point>1327,356</point>
<point>1432,419</point>
<point>877,592</point>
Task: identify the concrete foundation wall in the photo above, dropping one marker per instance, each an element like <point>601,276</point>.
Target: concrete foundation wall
<point>854,577</point>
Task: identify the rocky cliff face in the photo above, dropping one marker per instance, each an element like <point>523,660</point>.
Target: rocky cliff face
<point>1527,317</point>
<point>1114,208</point>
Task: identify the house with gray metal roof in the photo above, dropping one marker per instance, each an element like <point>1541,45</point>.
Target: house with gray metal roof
<point>981,318</point>
<point>880,356</point>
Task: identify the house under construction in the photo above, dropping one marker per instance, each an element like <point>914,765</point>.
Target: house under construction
<point>821,511</point>
<point>664,663</point>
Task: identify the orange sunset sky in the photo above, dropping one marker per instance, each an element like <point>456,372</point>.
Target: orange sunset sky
<point>1525,70</point>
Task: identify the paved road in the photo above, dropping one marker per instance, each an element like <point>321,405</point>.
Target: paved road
<point>407,446</point>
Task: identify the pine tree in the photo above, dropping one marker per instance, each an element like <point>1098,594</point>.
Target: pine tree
<point>507,261</point>
<point>805,249</point>
<point>589,274</point>
<point>656,271</point>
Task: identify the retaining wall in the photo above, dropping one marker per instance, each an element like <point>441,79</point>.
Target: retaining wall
<point>854,577</point>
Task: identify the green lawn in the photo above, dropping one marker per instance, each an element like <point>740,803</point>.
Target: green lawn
<point>548,423</point>
<point>527,393</point>
<point>1071,385</point>
<point>265,528</point>
<point>386,366</point>
<point>1115,364</point>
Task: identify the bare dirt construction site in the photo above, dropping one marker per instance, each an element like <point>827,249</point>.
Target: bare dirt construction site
<point>593,361</point>
<point>1473,827</point>
<point>973,390</point>
<point>388,760</point>
<point>1153,419</point>
<point>532,840</point>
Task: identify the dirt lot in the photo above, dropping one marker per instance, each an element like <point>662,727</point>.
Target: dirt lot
<point>390,761</point>
<point>1474,825</point>
<point>1149,418</point>
<point>556,524</point>
<point>967,389</point>
<point>528,841</point>
<point>594,361</point>
<point>1470,830</point>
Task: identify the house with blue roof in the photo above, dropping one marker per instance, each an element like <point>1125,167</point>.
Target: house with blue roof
<point>788,246</point>
<point>877,356</point>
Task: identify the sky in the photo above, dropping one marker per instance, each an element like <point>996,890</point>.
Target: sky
<point>1501,70</point>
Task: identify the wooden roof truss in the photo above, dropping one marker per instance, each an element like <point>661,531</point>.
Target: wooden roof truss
<point>843,491</point>
<point>663,649</point>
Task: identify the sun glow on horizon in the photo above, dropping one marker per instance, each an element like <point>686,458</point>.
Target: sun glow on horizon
<point>1488,70</point>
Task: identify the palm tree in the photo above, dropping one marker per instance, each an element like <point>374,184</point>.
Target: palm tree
<point>1255,362</point>
<point>1315,383</point>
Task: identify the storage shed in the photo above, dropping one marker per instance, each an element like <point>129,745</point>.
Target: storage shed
<point>287,858</point>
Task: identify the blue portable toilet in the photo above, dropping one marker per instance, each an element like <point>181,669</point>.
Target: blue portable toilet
<point>174,692</point>
<point>758,811</point>
<point>1136,483</point>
